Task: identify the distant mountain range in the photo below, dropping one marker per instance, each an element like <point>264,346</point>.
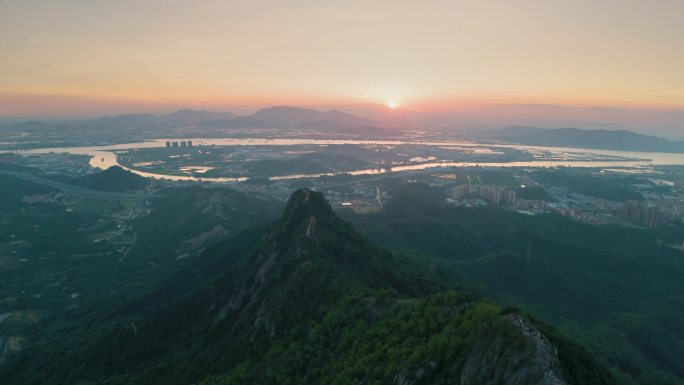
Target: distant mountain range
<point>288,117</point>
<point>295,116</point>
<point>127,120</point>
<point>280,116</point>
<point>240,122</point>
<point>188,116</point>
<point>599,139</point>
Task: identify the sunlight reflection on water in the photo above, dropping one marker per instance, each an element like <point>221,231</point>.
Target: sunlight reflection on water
<point>104,157</point>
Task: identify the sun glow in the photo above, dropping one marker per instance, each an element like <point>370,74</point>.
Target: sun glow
<point>392,104</point>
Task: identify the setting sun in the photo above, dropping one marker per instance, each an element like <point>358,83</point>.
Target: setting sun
<point>392,104</point>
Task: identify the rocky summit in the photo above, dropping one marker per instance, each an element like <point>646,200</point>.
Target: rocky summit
<point>306,300</point>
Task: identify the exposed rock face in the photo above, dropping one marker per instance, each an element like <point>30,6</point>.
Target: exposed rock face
<point>307,300</point>
<point>291,251</point>
<point>408,378</point>
<point>502,355</point>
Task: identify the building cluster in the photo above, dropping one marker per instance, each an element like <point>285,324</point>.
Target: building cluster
<point>492,194</point>
<point>642,215</point>
<point>182,143</point>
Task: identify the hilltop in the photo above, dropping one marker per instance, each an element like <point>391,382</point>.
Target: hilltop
<point>114,178</point>
<point>306,300</point>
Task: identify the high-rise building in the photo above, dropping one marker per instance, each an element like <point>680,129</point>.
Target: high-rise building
<point>460,192</point>
<point>647,216</point>
<point>499,196</point>
<point>650,217</point>
<point>509,197</point>
<point>495,196</point>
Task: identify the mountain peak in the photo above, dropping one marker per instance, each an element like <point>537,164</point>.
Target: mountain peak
<point>305,213</point>
<point>301,195</point>
<point>310,232</point>
<point>308,202</point>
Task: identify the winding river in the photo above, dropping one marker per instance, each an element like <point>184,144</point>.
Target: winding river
<point>104,157</point>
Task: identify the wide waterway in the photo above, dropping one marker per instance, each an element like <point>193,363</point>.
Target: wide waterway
<point>104,157</point>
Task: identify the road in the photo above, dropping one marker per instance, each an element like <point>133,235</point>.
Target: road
<point>378,195</point>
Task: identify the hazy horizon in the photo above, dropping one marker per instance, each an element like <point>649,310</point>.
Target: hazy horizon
<point>666,123</point>
<point>613,64</point>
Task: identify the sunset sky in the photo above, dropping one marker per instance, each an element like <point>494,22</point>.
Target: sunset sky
<point>89,57</point>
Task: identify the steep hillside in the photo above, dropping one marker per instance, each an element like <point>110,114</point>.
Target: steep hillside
<point>305,300</point>
<point>619,290</point>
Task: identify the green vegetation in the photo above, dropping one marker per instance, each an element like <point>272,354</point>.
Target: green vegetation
<point>493,177</point>
<point>380,339</point>
<point>302,300</point>
<point>614,188</point>
<point>112,179</point>
<point>618,290</point>
<point>64,257</point>
<point>533,193</point>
